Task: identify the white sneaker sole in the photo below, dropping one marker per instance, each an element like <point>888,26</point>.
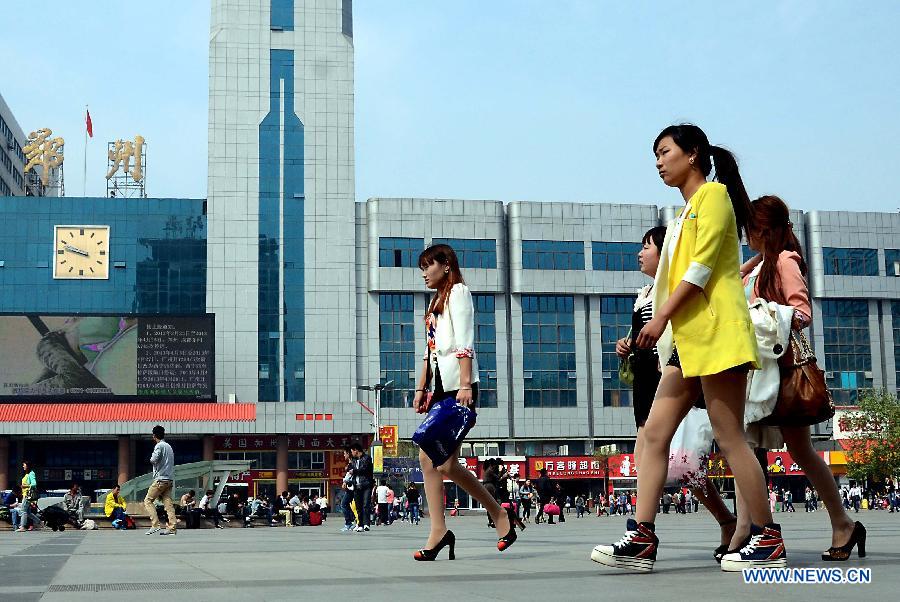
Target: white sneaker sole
<point>641,565</point>
<point>736,566</point>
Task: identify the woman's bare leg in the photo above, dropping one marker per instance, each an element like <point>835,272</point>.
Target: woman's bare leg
<point>799,444</point>
<point>725,395</point>
<point>465,479</point>
<point>742,528</point>
<point>709,496</point>
<point>638,448</point>
<point>674,398</point>
<point>434,496</point>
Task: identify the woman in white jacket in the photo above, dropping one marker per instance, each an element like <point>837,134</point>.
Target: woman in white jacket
<point>450,369</point>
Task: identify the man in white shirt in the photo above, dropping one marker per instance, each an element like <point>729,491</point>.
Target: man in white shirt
<point>208,510</point>
<point>381,493</point>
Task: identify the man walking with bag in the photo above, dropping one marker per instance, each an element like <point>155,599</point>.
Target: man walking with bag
<point>163,461</point>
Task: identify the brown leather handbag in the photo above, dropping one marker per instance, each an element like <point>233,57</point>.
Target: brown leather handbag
<point>803,398</point>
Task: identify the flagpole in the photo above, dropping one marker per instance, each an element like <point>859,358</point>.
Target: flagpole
<point>84,183</point>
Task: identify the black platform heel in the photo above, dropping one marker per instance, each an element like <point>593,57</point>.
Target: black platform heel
<point>510,538</point>
<point>449,539</point>
<point>723,549</point>
<point>857,538</point>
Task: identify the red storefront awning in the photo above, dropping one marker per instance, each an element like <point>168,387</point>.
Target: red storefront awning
<point>127,412</point>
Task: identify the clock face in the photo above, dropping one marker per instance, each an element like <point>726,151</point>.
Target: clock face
<point>81,252</point>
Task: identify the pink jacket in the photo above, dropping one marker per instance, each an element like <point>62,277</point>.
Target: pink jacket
<point>793,284</point>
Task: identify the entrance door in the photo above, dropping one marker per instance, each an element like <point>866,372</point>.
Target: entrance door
<point>309,491</point>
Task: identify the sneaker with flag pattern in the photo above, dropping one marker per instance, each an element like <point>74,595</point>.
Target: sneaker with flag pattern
<point>765,550</point>
<point>636,550</point>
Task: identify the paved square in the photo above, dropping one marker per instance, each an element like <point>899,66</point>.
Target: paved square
<point>547,563</point>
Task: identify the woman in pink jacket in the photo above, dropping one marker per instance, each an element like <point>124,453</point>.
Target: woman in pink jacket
<point>778,274</point>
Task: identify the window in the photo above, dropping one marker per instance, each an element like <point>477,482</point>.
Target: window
<point>892,262</point>
<point>397,349</point>
<point>486,349</point>
<point>304,460</point>
<point>850,262</point>
<point>548,355</point>
<point>399,252</point>
<point>895,315</point>
<point>615,320</point>
<point>282,15</point>
<point>747,253</point>
<point>552,255</point>
<point>472,253</point>
<point>848,354</point>
<point>616,256</point>
<point>261,460</point>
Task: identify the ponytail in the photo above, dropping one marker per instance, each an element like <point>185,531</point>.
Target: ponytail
<point>727,173</point>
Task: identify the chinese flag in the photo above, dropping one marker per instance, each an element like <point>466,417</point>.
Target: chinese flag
<point>89,124</point>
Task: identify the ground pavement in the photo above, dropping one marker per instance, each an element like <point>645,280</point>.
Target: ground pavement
<point>549,562</point>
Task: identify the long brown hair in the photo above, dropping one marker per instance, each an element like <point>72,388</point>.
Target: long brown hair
<point>444,255</point>
<point>772,223</point>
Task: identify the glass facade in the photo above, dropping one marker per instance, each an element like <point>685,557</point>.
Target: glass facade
<point>615,256</point>
<point>472,252</point>
<point>397,349</point>
<point>850,262</point>
<point>157,248</point>
<point>281,220</point>
<point>282,15</point>
<point>848,353</point>
<point>615,320</point>
<point>895,316</point>
<point>548,354</point>
<point>399,252</point>
<point>552,255</point>
<point>486,349</point>
<point>892,262</point>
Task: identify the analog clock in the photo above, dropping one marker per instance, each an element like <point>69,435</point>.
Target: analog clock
<point>81,252</point>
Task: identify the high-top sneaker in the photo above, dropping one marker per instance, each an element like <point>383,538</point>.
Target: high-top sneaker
<point>635,551</point>
<point>766,549</point>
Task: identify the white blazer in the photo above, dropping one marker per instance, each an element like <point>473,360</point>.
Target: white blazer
<point>454,338</point>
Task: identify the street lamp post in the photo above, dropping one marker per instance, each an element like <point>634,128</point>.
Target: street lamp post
<point>377,388</point>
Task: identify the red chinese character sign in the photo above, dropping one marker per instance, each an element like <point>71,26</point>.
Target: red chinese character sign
<point>389,441</point>
<point>570,467</point>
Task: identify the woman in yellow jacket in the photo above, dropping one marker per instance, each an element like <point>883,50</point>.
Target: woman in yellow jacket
<point>115,507</point>
<point>706,344</point>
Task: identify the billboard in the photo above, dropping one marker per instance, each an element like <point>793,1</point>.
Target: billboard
<point>97,358</point>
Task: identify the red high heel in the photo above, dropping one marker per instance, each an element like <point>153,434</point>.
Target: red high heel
<point>510,538</point>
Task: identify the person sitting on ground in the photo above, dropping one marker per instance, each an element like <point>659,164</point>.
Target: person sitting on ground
<point>11,502</point>
<point>261,508</point>
<point>189,510</point>
<point>73,502</point>
<point>235,506</point>
<point>115,507</point>
<point>208,510</point>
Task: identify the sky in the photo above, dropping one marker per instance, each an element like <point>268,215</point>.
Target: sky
<point>505,100</point>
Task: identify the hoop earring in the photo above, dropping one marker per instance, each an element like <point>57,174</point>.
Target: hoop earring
<point>691,160</point>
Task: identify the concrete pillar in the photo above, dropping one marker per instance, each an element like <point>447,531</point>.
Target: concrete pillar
<point>4,463</point>
<point>208,448</point>
<point>281,465</point>
<point>124,459</point>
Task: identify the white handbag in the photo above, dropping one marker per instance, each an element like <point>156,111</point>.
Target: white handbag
<point>689,450</point>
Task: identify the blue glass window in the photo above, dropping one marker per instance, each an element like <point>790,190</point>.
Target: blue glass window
<point>552,255</point>
<point>895,315</point>
<point>615,320</point>
<point>747,253</point>
<point>472,252</point>
<point>399,252</point>
<point>282,17</point>
<point>486,349</point>
<point>615,256</point>
<point>848,353</point>
<point>548,351</point>
<point>397,349</point>
<point>850,262</point>
<point>892,262</point>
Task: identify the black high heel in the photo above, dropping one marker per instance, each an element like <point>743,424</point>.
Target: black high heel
<point>510,538</point>
<point>718,556</point>
<point>857,538</point>
<point>449,539</point>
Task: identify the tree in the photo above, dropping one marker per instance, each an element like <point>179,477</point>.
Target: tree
<point>874,448</point>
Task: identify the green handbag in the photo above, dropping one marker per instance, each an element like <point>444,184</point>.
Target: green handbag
<point>626,369</point>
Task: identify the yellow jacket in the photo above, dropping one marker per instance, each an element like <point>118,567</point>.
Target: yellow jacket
<point>712,331</point>
<point>112,502</point>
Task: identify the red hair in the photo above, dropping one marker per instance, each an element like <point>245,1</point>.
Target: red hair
<point>772,224</point>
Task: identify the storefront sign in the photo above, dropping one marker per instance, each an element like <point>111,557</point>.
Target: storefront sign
<point>781,463</point>
<point>569,467</point>
<point>388,434</point>
<point>326,442</point>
